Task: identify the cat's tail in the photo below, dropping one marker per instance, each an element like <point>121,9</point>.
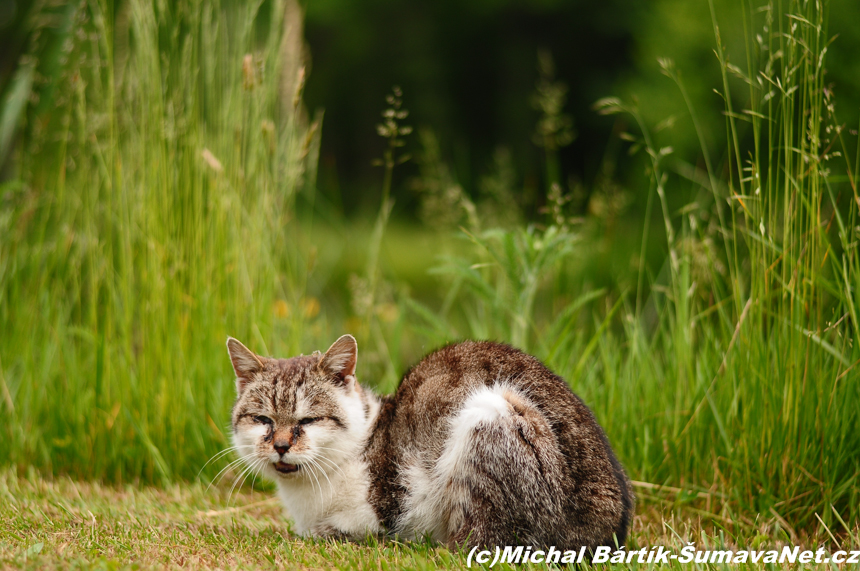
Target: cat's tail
<point>502,471</point>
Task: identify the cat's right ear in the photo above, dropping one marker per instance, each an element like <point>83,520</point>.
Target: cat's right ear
<point>245,363</point>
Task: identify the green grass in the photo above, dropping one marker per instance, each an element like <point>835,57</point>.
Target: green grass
<point>67,524</point>
<point>64,524</point>
<point>169,201</point>
<point>154,218</point>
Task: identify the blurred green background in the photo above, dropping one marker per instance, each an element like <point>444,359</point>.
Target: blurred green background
<point>469,71</point>
<point>658,199</point>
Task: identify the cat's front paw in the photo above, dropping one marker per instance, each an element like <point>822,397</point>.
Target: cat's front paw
<point>327,532</point>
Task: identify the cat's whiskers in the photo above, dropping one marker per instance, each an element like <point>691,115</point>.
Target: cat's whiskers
<point>333,468</point>
<point>344,455</point>
<point>222,453</point>
<point>243,476</point>
<point>310,465</point>
<point>331,463</point>
<point>238,462</point>
<point>326,474</point>
<point>322,471</point>
<point>237,484</point>
<point>329,448</point>
<point>223,470</point>
<point>257,472</point>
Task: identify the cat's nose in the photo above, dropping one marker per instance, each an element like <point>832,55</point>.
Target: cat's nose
<point>282,446</point>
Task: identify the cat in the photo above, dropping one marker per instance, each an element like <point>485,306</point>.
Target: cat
<point>481,445</point>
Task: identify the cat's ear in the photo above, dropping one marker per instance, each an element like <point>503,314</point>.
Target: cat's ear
<point>245,363</point>
<point>339,360</point>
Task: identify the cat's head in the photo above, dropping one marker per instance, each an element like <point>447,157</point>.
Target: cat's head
<point>295,418</point>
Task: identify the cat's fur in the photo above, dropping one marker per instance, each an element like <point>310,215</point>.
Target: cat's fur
<point>480,445</point>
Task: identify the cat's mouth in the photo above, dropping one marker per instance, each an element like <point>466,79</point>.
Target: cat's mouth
<point>284,468</point>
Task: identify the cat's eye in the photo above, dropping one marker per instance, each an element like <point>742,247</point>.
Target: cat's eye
<point>263,419</point>
<point>308,420</point>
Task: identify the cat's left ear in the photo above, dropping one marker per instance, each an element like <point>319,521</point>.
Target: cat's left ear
<point>339,360</point>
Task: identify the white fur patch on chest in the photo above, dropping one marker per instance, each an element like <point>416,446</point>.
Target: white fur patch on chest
<point>337,500</point>
<point>333,493</point>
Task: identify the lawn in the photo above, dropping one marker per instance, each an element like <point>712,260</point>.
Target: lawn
<point>68,524</point>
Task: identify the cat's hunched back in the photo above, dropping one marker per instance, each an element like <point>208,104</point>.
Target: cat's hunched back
<point>481,444</point>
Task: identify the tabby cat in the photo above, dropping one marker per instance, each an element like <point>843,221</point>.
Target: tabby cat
<point>481,445</point>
